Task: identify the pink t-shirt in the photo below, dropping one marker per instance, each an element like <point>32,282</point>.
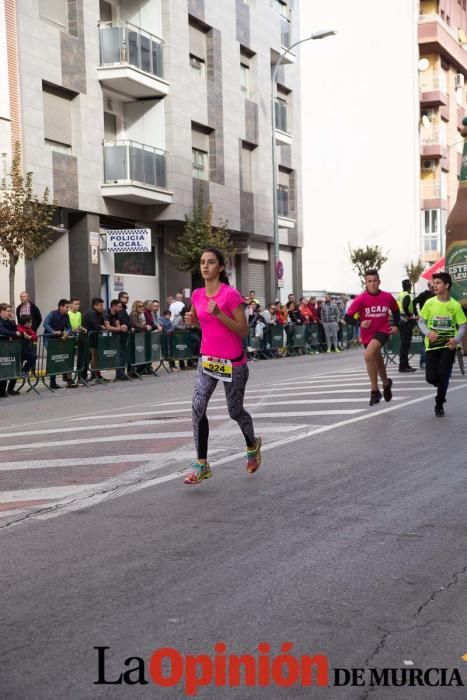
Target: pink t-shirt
<point>374,308</point>
<point>218,340</point>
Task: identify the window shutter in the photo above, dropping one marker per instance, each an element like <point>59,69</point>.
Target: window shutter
<point>55,11</point>
<point>197,42</point>
<point>57,118</point>
<point>200,140</point>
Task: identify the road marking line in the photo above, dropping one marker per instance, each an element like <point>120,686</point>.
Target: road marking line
<point>66,507</point>
<point>130,437</point>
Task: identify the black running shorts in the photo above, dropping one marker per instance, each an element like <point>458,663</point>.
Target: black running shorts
<point>381,337</point>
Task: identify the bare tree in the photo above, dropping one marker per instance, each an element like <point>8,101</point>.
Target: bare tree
<point>369,258</point>
<point>24,218</point>
<point>413,271</point>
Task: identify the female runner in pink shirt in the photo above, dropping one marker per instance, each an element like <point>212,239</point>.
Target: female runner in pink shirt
<point>218,309</point>
<point>373,308</point>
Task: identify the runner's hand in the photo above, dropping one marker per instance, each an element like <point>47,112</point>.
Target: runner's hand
<point>213,308</point>
<point>394,330</point>
<point>432,336</point>
<point>189,318</point>
<point>452,344</point>
<point>366,324</point>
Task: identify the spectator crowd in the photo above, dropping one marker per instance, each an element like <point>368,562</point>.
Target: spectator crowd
<point>325,315</point>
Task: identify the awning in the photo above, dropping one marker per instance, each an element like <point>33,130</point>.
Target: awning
<point>437,267</point>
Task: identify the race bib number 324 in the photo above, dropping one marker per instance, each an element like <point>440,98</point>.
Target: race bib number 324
<point>217,367</point>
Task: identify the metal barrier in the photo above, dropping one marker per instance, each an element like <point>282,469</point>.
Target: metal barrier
<point>180,345</point>
<point>10,359</point>
<point>295,339</point>
<point>391,348</point>
<point>312,339</point>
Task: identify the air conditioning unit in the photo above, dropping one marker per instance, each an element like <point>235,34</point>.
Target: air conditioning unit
<point>428,165</point>
<point>459,80</point>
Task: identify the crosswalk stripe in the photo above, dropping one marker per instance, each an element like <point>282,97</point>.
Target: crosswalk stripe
<point>49,493</point>
<point>128,424</point>
<point>141,436</point>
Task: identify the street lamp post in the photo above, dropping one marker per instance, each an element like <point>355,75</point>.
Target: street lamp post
<point>312,37</point>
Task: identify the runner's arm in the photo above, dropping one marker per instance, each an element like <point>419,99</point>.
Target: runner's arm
<point>238,324</point>
<point>422,325</point>
<point>351,320</point>
<point>461,332</point>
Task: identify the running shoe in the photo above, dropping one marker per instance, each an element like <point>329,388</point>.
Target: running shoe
<point>198,473</point>
<point>439,411</point>
<point>387,390</point>
<point>375,397</point>
<point>253,456</point>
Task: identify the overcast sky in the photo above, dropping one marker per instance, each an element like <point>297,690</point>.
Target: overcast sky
<point>359,128</point>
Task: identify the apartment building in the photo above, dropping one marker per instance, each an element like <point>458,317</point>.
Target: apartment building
<point>131,111</point>
<point>442,34</point>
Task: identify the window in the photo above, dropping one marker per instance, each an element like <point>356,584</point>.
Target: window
<point>246,177</point>
<point>245,79</point>
<point>199,164</point>
<point>444,185</point>
<point>283,200</point>
<point>431,230</point>
<point>281,114</point>
<point>57,117</point>
<point>135,263</point>
<point>200,136</point>
<point>197,38</point>
<point>54,11</point>
<point>443,133</point>
<point>197,66</point>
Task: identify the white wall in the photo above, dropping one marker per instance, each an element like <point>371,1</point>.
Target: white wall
<point>52,275</point>
<point>138,286</point>
<point>4,96</point>
<point>19,282</point>
<point>360,140</point>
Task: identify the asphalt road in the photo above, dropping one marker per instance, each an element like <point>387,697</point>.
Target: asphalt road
<point>349,541</point>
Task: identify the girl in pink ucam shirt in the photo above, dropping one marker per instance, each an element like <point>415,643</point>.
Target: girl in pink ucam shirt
<point>373,308</point>
<point>218,309</point>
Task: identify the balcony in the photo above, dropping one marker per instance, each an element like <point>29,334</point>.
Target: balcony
<point>282,134</point>
<point>131,61</point>
<point>135,173</point>
<point>433,91</point>
<point>435,35</point>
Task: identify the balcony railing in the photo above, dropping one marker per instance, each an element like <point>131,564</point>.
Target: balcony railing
<point>133,162</point>
<point>433,83</point>
<point>281,115</point>
<point>129,45</point>
<point>431,189</point>
<point>456,34</point>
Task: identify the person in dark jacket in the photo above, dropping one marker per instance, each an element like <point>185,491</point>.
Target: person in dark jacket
<point>8,332</point>
<point>94,323</point>
<point>57,324</point>
<point>28,308</point>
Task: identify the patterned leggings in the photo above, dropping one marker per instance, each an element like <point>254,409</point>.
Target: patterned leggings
<point>234,393</point>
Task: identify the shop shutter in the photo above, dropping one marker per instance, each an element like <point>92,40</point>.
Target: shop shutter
<point>55,11</point>
<point>257,280</point>
<point>57,117</point>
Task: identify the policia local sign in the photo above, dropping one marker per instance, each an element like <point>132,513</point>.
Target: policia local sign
<point>129,240</point>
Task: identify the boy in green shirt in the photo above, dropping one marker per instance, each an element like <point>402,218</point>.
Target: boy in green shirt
<point>443,323</point>
<point>74,314</point>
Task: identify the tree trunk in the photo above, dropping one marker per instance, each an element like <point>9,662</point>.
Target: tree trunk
<point>11,275</point>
